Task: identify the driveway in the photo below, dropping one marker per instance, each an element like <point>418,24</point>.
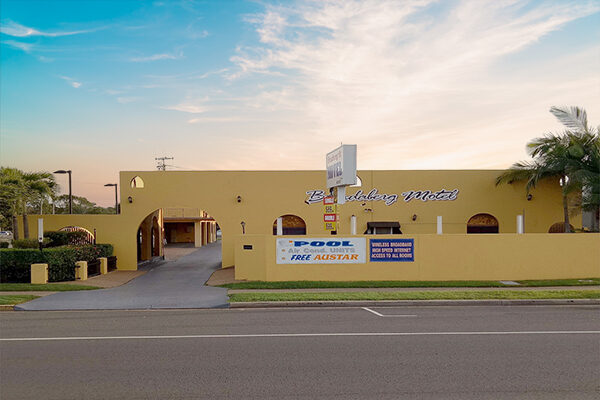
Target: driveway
<point>172,284</point>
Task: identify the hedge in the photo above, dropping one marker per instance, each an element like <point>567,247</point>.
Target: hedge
<point>15,264</point>
<point>29,243</point>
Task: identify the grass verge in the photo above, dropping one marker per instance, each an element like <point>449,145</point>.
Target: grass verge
<point>49,287</point>
<point>399,284</point>
<point>451,295</point>
<point>15,299</point>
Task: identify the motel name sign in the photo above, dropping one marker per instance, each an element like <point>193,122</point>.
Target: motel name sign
<point>316,196</point>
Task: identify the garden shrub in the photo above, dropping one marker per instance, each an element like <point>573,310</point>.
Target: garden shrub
<point>3,245</point>
<point>57,238</point>
<point>28,243</point>
<point>15,264</point>
<point>106,250</point>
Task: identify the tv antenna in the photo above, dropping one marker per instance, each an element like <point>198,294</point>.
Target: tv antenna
<point>161,163</point>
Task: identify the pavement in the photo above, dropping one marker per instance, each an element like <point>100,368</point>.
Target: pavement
<point>461,353</point>
<point>171,284</point>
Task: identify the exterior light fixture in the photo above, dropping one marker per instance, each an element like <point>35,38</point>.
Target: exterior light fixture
<point>243,227</point>
<point>529,197</point>
<point>239,199</point>
<point>68,171</point>
<point>414,217</point>
<point>116,201</point>
<point>130,199</point>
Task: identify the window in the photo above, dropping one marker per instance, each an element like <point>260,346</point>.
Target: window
<point>482,223</point>
<point>292,225</point>
<point>137,183</point>
<point>383,228</point>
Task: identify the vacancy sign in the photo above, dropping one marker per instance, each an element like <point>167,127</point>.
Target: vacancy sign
<point>330,213</point>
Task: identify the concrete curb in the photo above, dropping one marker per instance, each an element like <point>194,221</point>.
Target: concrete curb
<point>390,303</point>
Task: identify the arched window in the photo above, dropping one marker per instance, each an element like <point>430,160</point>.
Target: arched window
<point>137,182</point>
<point>559,227</point>
<point>292,225</point>
<point>482,223</point>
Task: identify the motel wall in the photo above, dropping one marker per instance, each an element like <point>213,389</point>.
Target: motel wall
<point>436,258</point>
<point>266,195</point>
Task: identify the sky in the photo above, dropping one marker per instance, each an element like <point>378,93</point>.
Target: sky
<point>100,87</point>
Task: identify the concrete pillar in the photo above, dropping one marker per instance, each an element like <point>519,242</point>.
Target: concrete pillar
<point>439,225</point>
<point>39,274</point>
<point>353,225</point>
<point>520,228</point>
<point>81,273</point>
<point>103,265</point>
<point>198,234</point>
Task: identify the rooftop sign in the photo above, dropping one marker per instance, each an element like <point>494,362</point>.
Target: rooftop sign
<point>341,166</point>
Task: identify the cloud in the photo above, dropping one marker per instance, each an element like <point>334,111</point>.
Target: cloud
<point>71,82</point>
<point>196,107</point>
<point>157,57</point>
<point>406,77</point>
<point>26,47</point>
<point>125,100</point>
<point>11,28</point>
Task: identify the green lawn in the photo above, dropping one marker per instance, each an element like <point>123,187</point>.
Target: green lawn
<point>15,299</point>
<point>399,284</point>
<point>438,295</point>
<point>49,287</point>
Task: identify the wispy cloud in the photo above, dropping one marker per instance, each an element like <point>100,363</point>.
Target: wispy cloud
<point>192,107</point>
<point>157,57</point>
<point>11,28</point>
<point>26,47</point>
<point>395,75</point>
<point>74,83</point>
<point>129,99</point>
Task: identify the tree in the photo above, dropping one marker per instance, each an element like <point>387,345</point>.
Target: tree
<point>81,205</point>
<point>18,189</point>
<point>571,157</point>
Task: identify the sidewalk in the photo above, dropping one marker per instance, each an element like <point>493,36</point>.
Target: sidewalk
<point>412,289</point>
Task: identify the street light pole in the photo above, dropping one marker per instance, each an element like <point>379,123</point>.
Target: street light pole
<point>62,171</point>
<point>116,200</point>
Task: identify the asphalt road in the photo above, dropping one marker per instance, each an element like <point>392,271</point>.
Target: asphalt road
<point>504,352</point>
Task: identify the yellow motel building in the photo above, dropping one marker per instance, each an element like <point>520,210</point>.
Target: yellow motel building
<point>394,225</point>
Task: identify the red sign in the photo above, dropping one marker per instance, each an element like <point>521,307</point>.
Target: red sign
<point>329,200</point>
<point>329,217</point>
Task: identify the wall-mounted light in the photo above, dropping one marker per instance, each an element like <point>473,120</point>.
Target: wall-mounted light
<point>130,199</point>
<point>529,197</point>
<point>414,217</point>
<point>243,224</point>
<point>239,199</point>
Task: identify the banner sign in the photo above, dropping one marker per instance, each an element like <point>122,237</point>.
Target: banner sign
<point>321,250</point>
<point>392,250</point>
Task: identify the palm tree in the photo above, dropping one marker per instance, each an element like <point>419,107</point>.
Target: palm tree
<point>17,188</point>
<point>570,157</point>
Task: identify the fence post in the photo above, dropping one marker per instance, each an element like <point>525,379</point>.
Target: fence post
<point>81,272</point>
<point>103,265</point>
<point>39,274</point>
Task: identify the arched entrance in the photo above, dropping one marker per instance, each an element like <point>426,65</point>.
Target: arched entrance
<point>482,223</point>
<point>173,232</point>
<point>292,225</point>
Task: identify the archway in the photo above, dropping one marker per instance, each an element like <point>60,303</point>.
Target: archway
<point>173,232</point>
<point>292,225</point>
<point>482,223</point>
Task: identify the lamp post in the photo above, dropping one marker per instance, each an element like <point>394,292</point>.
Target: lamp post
<point>116,201</point>
<point>62,171</point>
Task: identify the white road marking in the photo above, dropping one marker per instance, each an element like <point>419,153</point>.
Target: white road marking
<point>293,335</point>
<point>381,315</point>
